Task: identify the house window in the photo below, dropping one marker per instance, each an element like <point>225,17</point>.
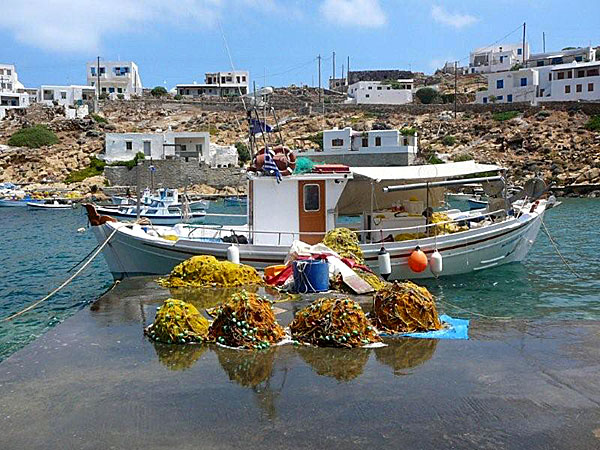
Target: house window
<point>8,72</point>
<point>500,97</point>
<point>120,90</point>
<point>367,95</point>
<point>182,147</point>
<point>550,77</point>
<point>244,78</point>
<point>580,73</point>
<point>509,98</point>
<point>93,71</point>
<point>128,145</point>
<point>378,141</point>
<point>199,148</point>
<point>541,92</point>
<point>111,90</point>
<point>63,95</point>
<point>378,88</point>
<point>579,58</point>
<point>147,148</point>
<point>540,63</point>
<point>561,75</point>
<point>570,74</point>
<point>102,70</point>
<point>365,142</point>
<point>484,99</point>
<point>590,87</point>
<point>312,197</point>
<point>519,51</point>
<point>567,89</point>
<point>337,142</point>
<point>578,88</point>
<point>557,61</point>
<point>501,59</point>
<point>499,84</point>
<point>523,81</point>
<point>592,73</point>
<point>370,87</point>
<point>103,89</point>
<point>405,142</point>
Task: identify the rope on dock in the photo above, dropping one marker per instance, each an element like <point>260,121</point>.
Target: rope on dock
<point>65,283</point>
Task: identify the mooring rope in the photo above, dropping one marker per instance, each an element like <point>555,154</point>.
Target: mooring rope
<point>65,283</point>
<point>555,245</point>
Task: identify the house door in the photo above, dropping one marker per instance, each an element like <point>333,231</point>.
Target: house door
<point>311,210</point>
<point>147,148</point>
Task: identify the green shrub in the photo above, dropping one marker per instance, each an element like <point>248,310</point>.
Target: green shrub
<point>243,152</point>
<point>462,157</point>
<point>517,66</point>
<point>96,167</point>
<point>408,131</point>
<point>103,96</point>
<point>593,124</point>
<point>506,115</point>
<point>33,137</point>
<point>544,114</point>
<point>428,95</point>
<point>448,140</point>
<point>120,96</point>
<point>433,159</point>
<point>158,91</point>
<point>139,156</point>
<point>178,96</point>
<point>317,139</point>
<point>98,118</point>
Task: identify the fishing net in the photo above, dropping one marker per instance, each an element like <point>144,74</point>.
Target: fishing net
<point>404,354</point>
<point>177,322</point>
<point>333,322</point>
<point>373,279</point>
<point>205,270</point>
<point>445,228</point>
<point>304,165</point>
<point>405,308</point>
<point>345,243</point>
<point>178,357</point>
<point>246,321</point>
<point>343,365</point>
<point>248,369</point>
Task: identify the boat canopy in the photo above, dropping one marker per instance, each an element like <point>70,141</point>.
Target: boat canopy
<point>365,191</point>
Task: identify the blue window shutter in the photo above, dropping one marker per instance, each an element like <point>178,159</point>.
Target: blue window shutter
<point>499,84</point>
<point>523,81</point>
<point>509,98</point>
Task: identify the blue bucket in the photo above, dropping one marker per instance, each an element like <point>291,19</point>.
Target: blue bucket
<point>311,275</point>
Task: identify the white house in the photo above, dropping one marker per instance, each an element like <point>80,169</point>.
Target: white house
<point>65,95</point>
<point>497,58</point>
<point>510,86</point>
<point>218,84</point>
<point>397,92</point>
<point>116,78</point>
<point>575,81</point>
<point>368,148</point>
<point>579,54</point>
<point>12,92</point>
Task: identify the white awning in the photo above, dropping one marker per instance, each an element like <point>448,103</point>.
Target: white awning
<point>426,172</point>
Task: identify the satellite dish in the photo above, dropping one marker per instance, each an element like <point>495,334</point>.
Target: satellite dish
<point>534,188</point>
<point>493,188</point>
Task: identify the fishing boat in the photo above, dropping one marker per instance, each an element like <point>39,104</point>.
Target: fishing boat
<point>158,212</point>
<point>52,203</point>
<point>387,201</point>
<point>169,196</point>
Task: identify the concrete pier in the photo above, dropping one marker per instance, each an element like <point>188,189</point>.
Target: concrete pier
<point>95,382</point>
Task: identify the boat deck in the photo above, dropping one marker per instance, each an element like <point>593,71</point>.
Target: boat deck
<point>95,382</point>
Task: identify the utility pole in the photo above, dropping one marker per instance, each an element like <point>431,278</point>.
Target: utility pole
<point>333,65</point>
<point>544,41</point>
<point>524,26</point>
<point>98,76</point>
<point>455,86</point>
<point>348,72</point>
<point>319,58</point>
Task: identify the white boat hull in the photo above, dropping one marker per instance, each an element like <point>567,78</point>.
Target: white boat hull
<point>167,220</point>
<point>132,252</point>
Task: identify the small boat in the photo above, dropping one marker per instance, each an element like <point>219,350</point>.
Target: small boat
<point>158,212</point>
<point>53,203</point>
<point>169,196</point>
<point>236,200</point>
<point>476,203</point>
<point>481,240</point>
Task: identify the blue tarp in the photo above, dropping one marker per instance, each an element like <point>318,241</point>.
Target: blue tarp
<point>453,329</point>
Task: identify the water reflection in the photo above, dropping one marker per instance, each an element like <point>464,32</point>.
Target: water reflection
<point>179,357</point>
<point>343,364</point>
<point>406,353</point>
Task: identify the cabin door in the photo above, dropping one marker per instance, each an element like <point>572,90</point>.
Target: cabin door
<point>311,210</point>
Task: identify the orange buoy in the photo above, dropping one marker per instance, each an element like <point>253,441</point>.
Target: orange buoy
<point>417,261</point>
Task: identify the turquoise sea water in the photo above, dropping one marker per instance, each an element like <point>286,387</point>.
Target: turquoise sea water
<point>37,248</point>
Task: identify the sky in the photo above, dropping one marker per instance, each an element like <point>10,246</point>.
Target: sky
<point>278,41</point>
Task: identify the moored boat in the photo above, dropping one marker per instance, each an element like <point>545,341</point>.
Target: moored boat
<point>53,203</point>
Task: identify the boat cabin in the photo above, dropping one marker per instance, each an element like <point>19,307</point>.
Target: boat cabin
<point>306,206</point>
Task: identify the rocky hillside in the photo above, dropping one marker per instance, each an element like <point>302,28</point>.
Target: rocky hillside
<point>554,144</point>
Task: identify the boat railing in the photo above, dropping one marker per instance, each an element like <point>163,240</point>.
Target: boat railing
<point>220,229</point>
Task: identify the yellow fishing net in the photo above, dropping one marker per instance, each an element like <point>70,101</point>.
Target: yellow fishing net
<point>345,243</point>
<point>333,322</point>
<point>246,321</point>
<point>204,270</point>
<point>405,308</point>
<point>445,228</point>
<point>177,322</point>
<point>374,280</point>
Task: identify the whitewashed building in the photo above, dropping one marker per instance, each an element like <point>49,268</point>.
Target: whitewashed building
<point>569,55</point>
<point>169,145</point>
<point>575,81</point>
<point>12,93</point>
<point>497,58</point>
<point>117,79</point>
<point>510,87</point>
<point>366,148</point>
<point>218,84</point>
<point>65,95</point>
<point>397,92</point>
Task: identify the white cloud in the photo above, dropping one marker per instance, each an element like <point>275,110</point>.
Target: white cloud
<point>455,20</point>
<point>81,25</point>
<point>361,13</point>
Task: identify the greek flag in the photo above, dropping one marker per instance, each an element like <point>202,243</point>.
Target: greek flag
<point>269,167</point>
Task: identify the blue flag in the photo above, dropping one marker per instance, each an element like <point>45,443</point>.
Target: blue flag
<point>258,126</point>
<point>270,167</point>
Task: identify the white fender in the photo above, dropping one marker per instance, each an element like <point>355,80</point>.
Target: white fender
<point>385,264</point>
<point>436,263</point>
<point>233,254</point>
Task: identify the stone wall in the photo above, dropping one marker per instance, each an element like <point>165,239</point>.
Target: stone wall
<point>176,173</point>
<point>378,75</point>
